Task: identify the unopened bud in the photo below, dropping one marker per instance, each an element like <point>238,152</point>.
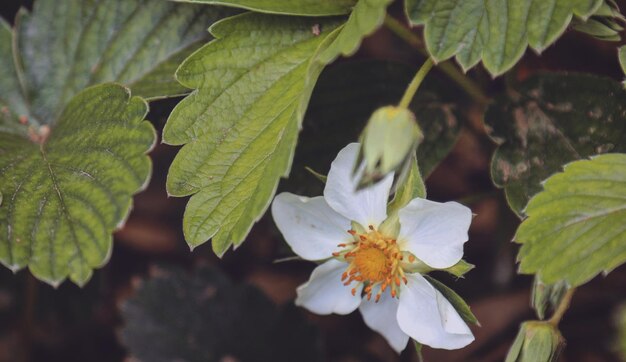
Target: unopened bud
<point>536,342</point>
<point>387,142</point>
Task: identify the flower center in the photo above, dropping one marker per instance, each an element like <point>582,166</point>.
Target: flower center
<point>374,260</point>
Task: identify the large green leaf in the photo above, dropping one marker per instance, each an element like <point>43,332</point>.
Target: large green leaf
<point>66,193</point>
<point>69,161</point>
<point>240,125</point>
<point>548,121</point>
<point>204,317</point>
<point>576,227</point>
<point>494,31</point>
<point>65,46</point>
<point>288,7</point>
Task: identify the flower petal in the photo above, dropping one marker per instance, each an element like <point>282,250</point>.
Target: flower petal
<point>380,317</point>
<point>427,316</point>
<point>367,206</point>
<point>435,232</point>
<point>309,225</point>
<point>325,293</point>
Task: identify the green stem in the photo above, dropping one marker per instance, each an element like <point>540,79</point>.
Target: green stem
<point>562,308</point>
<point>410,91</point>
<point>448,68</point>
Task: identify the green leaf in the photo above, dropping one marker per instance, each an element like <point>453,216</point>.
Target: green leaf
<point>460,269</point>
<point>348,93</point>
<point>496,32</point>
<point>288,7</point>
<point>457,302</point>
<point>546,296</point>
<point>410,187</point>
<point>365,18</point>
<point>240,124</point>
<point>203,316</point>
<point>548,121</point>
<point>65,194</point>
<point>65,46</point>
<point>621,55</point>
<point>575,228</point>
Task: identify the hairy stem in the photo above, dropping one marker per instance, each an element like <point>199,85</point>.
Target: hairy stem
<point>562,308</point>
<point>449,69</point>
<point>410,91</point>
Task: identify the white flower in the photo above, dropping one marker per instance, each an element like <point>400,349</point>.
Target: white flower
<point>369,270</point>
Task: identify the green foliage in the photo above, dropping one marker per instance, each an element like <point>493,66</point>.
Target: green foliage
<point>496,32</point>
<point>176,316</point>
<point>365,18</point>
<point>605,24</point>
<point>71,161</point>
<point>66,193</point>
<point>288,7</point>
<point>240,125</point>
<point>548,121</point>
<point>575,228</point>
<point>457,302</point>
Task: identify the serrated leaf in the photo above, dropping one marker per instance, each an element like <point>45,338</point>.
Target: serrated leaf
<point>240,125</point>
<point>66,195</point>
<point>287,7</point>
<point>457,302</point>
<point>177,316</point>
<point>65,46</point>
<point>365,18</point>
<point>548,121</point>
<point>494,31</point>
<point>575,228</point>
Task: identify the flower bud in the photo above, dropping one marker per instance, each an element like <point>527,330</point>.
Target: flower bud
<point>536,342</point>
<point>388,140</point>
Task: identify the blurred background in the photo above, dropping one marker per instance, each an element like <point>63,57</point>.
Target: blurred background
<point>155,298</point>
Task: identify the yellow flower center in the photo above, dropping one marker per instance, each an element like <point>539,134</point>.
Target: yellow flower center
<point>374,260</point>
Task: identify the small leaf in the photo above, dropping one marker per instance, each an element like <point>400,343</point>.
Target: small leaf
<point>410,187</point>
<point>457,302</point>
<point>66,194</point>
<point>546,296</point>
<point>287,7</point>
<point>621,54</point>
<point>177,316</point>
<point>240,125</point>
<point>496,32</point>
<point>460,269</point>
<point>575,228</point>
<point>365,18</point>
<point>548,121</point>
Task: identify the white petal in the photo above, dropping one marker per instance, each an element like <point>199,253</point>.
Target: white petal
<point>381,318</point>
<point>325,293</point>
<point>427,316</point>
<point>435,232</point>
<point>309,225</point>
<point>367,206</point>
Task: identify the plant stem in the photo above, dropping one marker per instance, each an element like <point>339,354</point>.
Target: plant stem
<point>562,308</point>
<point>409,93</point>
<point>466,83</point>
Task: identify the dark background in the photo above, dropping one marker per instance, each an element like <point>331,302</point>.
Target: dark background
<point>40,323</point>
